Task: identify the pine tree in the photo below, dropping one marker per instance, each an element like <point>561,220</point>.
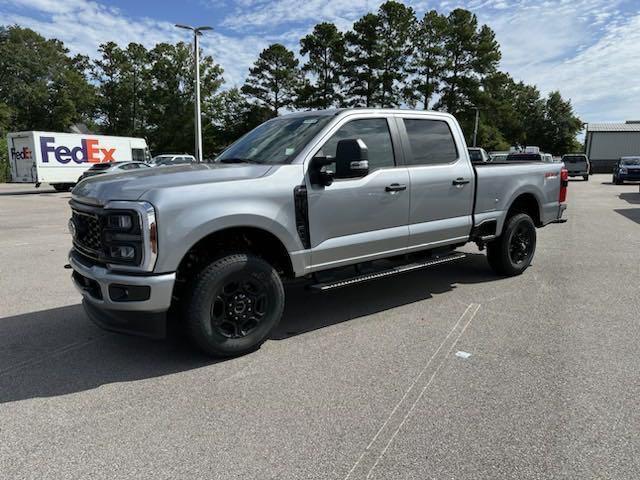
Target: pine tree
<point>326,50</point>
<point>427,64</point>
<point>274,78</point>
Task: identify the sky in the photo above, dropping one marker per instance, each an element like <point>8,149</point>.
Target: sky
<point>589,50</point>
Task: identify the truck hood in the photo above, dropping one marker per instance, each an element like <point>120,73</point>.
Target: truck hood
<point>132,185</point>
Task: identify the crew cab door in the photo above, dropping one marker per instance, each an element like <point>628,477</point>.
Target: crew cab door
<point>357,219</point>
<point>442,181</point>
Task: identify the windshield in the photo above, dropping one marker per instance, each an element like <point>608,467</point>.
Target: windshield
<point>630,161</point>
<point>275,141</point>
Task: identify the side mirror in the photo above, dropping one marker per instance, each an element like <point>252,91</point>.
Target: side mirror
<point>316,175</point>
<point>352,158</point>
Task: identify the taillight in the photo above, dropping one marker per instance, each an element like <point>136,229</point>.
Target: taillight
<point>564,183</point>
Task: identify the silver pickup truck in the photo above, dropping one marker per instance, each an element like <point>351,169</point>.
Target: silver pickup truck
<point>337,197</point>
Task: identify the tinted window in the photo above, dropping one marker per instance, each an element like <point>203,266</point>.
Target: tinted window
<point>374,132</point>
<point>524,157</point>
<point>138,154</point>
<point>574,158</point>
<point>475,156</point>
<point>431,142</point>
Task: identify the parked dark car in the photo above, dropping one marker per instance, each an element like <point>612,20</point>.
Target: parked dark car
<point>112,167</point>
<point>627,168</point>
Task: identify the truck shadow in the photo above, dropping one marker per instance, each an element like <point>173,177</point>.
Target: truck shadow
<point>630,197</point>
<point>57,352</point>
<point>632,214</point>
<point>307,311</point>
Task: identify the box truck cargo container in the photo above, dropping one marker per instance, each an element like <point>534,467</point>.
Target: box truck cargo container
<point>60,158</point>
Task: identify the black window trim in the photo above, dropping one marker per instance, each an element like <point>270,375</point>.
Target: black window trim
<point>406,145</point>
<point>396,145</point>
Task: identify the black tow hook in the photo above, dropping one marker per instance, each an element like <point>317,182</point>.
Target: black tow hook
<point>67,267</point>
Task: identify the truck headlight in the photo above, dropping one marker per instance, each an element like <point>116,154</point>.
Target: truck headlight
<point>120,221</point>
<point>130,236</point>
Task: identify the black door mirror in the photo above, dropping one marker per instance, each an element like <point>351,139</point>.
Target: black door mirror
<point>318,174</point>
<point>352,158</point>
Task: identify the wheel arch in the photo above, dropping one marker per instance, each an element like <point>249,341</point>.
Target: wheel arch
<point>526,202</point>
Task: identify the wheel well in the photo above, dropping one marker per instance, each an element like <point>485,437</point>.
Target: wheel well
<point>526,203</point>
<point>233,240</point>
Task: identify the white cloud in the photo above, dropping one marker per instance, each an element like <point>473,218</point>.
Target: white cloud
<point>66,21</point>
<point>587,49</point>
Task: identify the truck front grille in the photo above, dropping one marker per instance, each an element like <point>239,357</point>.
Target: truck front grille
<point>88,233</point>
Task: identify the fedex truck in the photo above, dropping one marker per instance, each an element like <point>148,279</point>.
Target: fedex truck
<point>60,158</point>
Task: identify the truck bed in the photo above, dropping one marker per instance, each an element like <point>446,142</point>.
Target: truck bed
<point>499,184</point>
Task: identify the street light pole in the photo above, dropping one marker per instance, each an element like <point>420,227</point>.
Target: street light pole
<point>197,31</point>
<point>475,128</point>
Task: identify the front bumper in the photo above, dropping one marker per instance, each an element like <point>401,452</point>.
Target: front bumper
<point>106,302</point>
<point>632,176</point>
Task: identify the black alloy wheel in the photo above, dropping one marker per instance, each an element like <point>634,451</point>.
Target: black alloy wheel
<point>239,307</point>
<point>521,243</point>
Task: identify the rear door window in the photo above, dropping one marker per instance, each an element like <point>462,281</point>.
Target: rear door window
<point>430,142</point>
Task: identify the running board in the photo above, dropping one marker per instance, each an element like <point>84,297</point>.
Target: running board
<point>387,273</point>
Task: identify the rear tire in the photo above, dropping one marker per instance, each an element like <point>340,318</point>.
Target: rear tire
<point>512,252</point>
<point>61,187</point>
<point>233,305</point>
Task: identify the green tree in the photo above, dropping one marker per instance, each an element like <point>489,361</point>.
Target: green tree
<point>43,87</point>
<point>471,55</point>
<point>427,64</point>
<point>325,48</point>
<point>363,61</point>
<point>274,78</point>
<point>170,117</point>
<point>5,115</point>
<point>231,116</point>
<point>396,22</point>
<point>123,77</point>
<point>561,125</point>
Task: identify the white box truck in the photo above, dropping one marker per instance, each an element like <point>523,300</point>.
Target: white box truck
<point>60,158</point>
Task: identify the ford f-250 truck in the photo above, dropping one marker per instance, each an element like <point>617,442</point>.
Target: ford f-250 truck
<point>338,197</point>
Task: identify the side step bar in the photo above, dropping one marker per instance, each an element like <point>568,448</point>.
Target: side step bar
<point>387,273</point>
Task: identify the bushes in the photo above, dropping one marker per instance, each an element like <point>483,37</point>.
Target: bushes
<point>4,161</point>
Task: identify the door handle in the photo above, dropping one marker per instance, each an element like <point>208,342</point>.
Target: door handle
<point>395,187</point>
<point>460,181</point>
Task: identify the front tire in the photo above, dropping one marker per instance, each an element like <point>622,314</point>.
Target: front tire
<point>233,304</point>
<point>512,252</point>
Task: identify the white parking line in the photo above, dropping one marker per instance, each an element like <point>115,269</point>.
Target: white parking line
<point>470,312</point>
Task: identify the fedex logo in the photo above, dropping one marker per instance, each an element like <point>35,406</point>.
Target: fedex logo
<point>24,154</point>
<point>88,151</point>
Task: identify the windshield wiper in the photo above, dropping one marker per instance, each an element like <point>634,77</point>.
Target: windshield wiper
<point>238,160</point>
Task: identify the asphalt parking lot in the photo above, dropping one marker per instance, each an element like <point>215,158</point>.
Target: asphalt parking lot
<point>364,382</point>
